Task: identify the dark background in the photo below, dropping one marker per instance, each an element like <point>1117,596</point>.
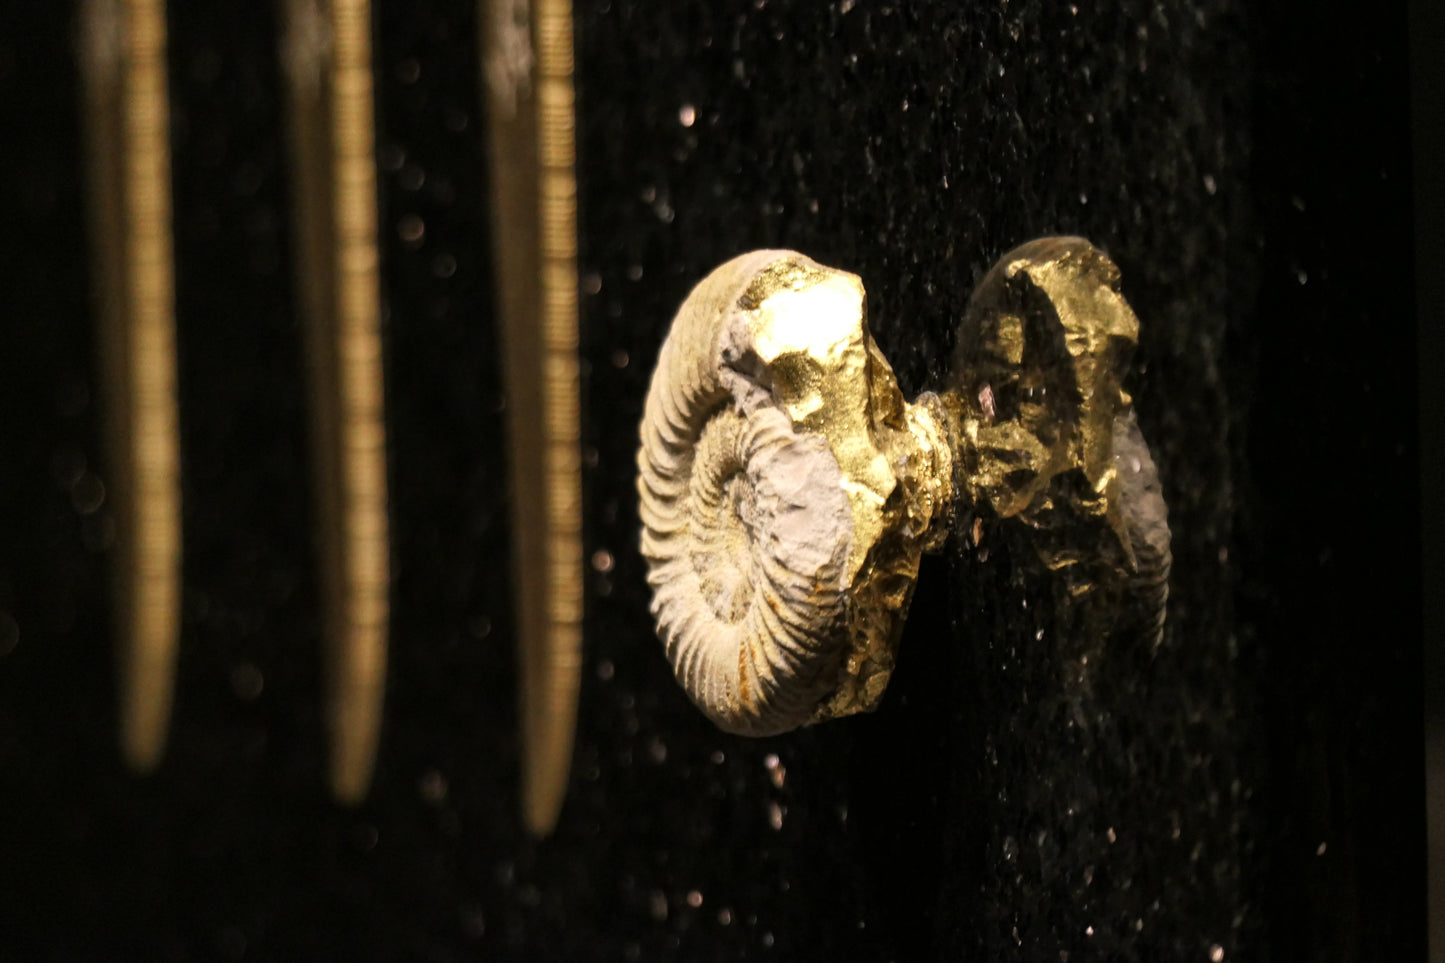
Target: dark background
<point>1252,789</point>
<point>1427,128</point>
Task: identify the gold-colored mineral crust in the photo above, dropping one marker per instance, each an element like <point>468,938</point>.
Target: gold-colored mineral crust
<point>1048,434</point>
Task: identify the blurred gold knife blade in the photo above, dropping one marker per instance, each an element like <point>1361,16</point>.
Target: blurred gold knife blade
<point>123,67</point>
<point>527,63</point>
<point>327,55</point>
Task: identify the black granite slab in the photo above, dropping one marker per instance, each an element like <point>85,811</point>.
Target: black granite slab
<point>1250,790</point>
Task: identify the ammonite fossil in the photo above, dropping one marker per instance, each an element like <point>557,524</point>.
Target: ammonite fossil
<point>787,490</point>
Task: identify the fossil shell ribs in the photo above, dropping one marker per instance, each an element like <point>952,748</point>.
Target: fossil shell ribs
<point>747,527</point>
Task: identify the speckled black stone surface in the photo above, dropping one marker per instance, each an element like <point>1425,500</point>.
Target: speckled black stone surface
<point>1251,790</point>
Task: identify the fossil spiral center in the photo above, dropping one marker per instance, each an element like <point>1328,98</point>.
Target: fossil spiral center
<point>769,518</point>
<point>723,518</point>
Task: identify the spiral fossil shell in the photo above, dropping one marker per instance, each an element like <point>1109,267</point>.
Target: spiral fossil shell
<point>786,491</point>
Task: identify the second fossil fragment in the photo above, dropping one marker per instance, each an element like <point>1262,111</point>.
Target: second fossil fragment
<point>787,490</point>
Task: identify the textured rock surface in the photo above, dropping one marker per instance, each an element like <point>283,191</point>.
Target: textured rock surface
<point>1249,789</point>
